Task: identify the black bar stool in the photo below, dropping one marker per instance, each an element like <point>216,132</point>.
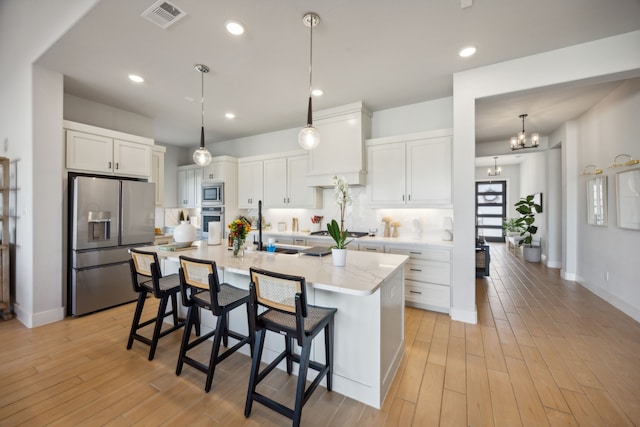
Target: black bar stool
<point>201,288</point>
<point>147,279</point>
<point>287,313</point>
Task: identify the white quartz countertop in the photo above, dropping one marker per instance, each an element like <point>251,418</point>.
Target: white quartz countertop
<point>363,274</point>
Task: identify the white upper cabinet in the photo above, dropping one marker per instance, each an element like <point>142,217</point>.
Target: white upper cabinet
<point>93,149</point>
<point>131,159</point>
<point>285,185</point>
<point>189,186</point>
<point>250,188</point>
<point>412,170</point>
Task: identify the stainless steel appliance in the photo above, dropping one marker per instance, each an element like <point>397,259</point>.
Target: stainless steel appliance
<point>106,217</point>
<point>212,214</point>
<point>212,193</point>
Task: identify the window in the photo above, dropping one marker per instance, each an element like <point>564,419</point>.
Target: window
<point>491,209</point>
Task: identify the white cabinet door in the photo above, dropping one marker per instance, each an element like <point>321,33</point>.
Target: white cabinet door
<point>275,183</point>
<point>89,152</point>
<point>299,194</point>
<point>386,174</point>
<point>429,172</point>
<point>157,175</point>
<point>131,159</point>
<point>250,179</point>
<point>189,183</point>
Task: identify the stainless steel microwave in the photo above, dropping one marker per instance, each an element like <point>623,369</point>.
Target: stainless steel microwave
<point>212,194</point>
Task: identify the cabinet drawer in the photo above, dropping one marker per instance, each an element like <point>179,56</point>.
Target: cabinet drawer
<point>371,247</point>
<point>442,255</point>
<point>428,271</point>
<point>427,294</point>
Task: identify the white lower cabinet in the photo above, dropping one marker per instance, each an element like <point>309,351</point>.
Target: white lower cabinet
<point>427,277</point>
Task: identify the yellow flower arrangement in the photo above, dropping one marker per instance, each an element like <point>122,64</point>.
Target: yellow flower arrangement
<point>238,229</point>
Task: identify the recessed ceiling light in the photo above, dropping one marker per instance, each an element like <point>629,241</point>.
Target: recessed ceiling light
<point>136,78</point>
<point>317,92</point>
<point>467,51</point>
<point>230,116</point>
<point>234,27</point>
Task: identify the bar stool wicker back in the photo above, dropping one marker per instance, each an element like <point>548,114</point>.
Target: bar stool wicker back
<point>287,313</point>
<point>201,288</point>
<point>147,278</point>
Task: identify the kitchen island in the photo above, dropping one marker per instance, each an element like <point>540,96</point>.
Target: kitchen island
<point>368,293</point>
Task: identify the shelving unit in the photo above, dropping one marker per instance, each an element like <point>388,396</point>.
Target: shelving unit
<point>5,286</point>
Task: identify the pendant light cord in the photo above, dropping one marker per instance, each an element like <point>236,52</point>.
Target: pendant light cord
<point>310,55</point>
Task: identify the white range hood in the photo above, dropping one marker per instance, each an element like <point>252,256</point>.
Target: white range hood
<point>343,131</point>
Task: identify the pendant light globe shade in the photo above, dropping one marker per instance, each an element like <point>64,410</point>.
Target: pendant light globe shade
<point>309,137</point>
<point>202,156</point>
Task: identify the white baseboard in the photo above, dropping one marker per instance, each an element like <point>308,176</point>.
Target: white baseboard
<point>554,264</point>
<point>38,319</point>
<point>464,315</point>
<point>568,276</point>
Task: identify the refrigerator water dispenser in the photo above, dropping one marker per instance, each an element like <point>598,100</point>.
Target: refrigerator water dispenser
<point>99,226</point>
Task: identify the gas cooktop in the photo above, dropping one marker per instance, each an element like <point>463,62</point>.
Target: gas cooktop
<point>352,234</point>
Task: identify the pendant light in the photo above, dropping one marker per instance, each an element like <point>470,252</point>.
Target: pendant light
<point>309,137</point>
<point>519,142</point>
<point>202,156</point>
<point>496,170</point>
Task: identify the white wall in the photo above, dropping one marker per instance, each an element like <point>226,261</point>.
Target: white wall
<point>553,209</point>
<point>104,116</point>
<point>610,128</point>
<point>599,58</point>
<point>27,29</point>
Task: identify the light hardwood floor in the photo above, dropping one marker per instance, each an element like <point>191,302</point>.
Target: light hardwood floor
<point>545,352</point>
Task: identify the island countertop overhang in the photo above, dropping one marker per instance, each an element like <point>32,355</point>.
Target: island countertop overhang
<point>362,275</point>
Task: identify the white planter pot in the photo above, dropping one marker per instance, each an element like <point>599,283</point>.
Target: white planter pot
<point>339,257</point>
<point>315,226</point>
<point>531,253</point>
<point>184,233</point>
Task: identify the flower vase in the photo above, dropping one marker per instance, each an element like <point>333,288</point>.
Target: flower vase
<point>339,257</point>
<point>315,226</point>
<point>387,230</point>
<point>238,247</point>
<point>184,233</point>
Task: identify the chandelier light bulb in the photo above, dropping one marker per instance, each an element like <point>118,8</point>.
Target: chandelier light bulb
<point>519,142</point>
<point>202,157</point>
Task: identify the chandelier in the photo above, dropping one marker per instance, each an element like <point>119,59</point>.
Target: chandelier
<point>496,170</point>
<point>519,142</point>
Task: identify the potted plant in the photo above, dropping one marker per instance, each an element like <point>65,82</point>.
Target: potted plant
<point>528,209</point>
<point>512,226</point>
<point>338,232</point>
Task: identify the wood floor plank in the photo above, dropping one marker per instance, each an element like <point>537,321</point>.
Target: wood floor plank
<point>454,409</point>
<point>492,349</point>
<point>531,410</point>
<point>479,407</point>
<point>548,391</point>
<point>455,375</point>
<point>505,408</point>
<point>430,403</point>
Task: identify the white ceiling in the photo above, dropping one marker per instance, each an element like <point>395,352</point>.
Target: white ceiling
<point>384,53</point>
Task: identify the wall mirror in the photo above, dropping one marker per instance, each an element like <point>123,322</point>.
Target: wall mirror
<point>597,201</point>
<point>628,196</point>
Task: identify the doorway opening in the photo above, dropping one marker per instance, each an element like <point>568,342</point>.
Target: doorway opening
<point>491,209</point>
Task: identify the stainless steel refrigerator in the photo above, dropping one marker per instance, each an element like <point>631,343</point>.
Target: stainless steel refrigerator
<point>107,217</point>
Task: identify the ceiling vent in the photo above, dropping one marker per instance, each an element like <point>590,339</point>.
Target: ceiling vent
<point>163,14</point>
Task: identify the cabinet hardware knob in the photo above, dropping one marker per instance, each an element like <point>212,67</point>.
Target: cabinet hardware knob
<point>409,197</point>
<point>415,252</point>
<point>371,249</point>
<point>415,292</point>
<point>117,165</point>
<point>415,269</point>
<point>403,197</point>
<point>109,165</point>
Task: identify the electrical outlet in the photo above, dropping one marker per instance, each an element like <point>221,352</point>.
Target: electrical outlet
<point>606,276</point>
